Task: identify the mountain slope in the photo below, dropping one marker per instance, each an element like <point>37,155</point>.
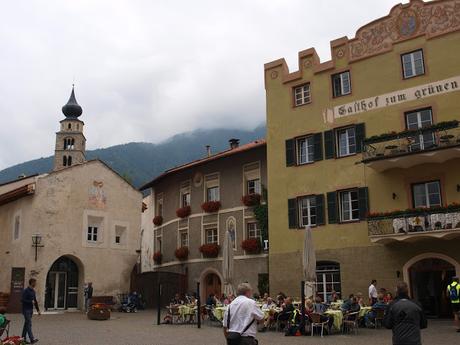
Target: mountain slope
<point>140,162</point>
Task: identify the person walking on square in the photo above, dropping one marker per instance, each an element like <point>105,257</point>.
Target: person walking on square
<point>373,292</point>
<point>241,318</point>
<point>453,291</point>
<point>88,295</point>
<point>405,318</point>
<point>29,300</point>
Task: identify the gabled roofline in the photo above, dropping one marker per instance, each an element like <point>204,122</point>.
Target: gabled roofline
<point>18,179</point>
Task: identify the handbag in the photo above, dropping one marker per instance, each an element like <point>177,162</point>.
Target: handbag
<point>234,338</point>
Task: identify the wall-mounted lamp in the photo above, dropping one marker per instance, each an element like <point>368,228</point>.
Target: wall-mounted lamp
<point>394,196</point>
<point>37,243</point>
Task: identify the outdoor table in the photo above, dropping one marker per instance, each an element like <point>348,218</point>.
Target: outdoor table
<point>185,310</point>
<point>336,305</point>
<point>337,316</point>
<point>219,312</point>
<point>363,311</point>
<point>272,311</point>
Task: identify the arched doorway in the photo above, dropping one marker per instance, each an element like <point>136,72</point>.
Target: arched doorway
<point>211,283</point>
<point>429,278</point>
<point>62,285</point>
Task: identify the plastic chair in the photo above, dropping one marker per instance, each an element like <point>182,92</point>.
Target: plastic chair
<point>379,315</point>
<point>351,322</point>
<point>316,322</point>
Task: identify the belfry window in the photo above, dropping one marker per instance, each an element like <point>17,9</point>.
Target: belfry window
<point>69,144</point>
<point>64,161</point>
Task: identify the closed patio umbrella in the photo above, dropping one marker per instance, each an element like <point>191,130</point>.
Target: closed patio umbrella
<point>309,264</point>
<point>227,264</point>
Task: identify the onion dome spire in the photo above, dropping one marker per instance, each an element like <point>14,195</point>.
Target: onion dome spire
<point>72,109</point>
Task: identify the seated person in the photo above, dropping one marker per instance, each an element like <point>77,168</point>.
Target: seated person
<point>308,307</point>
<point>264,299</point>
<point>334,297</point>
<point>369,318</point>
<point>211,300</point>
<point>176,300</point>
<point>346,305</point>
<point>354,306</point>
<point>288,309</point>
<point>360,298</point>
<point>388,298</point>
<point>269,304</point>
<point>2,317</point>
<point>320,308</point>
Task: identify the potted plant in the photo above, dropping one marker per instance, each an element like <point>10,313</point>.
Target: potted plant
<point>211,206</point>
<point>184,212</point>
<point>181,253</point>
<point>210,250</point>
<point>157,257</point>
<point>251,200</point>
<point>158,220</point>
<point>251,246</point>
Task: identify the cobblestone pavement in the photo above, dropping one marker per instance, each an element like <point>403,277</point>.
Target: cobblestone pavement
<point>140,329</point>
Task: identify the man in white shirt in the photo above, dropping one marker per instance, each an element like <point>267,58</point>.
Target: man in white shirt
<point>373,292</point>
<point>241,318</point>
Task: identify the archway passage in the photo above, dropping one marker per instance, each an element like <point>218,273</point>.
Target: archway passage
<point>62,285</point>
<point>429,279</point>
<point>212,285</point>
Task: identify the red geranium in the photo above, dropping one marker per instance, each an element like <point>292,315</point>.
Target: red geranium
<point>15,340</point>
<point>157,257</point>
<point>251,245</point>
<point>211,206</point>
<point>251,199</point>
<point>158,220</point>
<point>184,212</point>
<point>210,250</point>
<point>181,253</point>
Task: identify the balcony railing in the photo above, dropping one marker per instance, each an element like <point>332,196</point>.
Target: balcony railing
<point>395,145</point>
<point>402,225</point>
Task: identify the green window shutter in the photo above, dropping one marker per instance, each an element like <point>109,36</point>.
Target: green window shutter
<point>290,152</point>
<point>320,209</point>
<point>363,201</point>
<point>329,144</point>
<point>332,211</point>
<point>318,147</point>
<point>292,213</point>
<point>360,131</point>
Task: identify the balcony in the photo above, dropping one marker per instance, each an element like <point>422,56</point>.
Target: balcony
<point>413,225</point>
<point>433,144</point>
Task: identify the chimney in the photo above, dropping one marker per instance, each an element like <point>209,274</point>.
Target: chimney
<point>208,150</point>
<point>234,143</point>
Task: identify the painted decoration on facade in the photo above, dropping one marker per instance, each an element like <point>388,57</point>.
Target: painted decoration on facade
<point>231,227</point>
<point>404,22</point>
<point>97,196</point>
<point>392,98</point>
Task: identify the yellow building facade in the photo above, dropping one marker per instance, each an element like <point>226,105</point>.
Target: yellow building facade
<point>365,148</point>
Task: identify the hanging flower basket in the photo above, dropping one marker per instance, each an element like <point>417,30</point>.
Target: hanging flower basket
<point>99,311</point>
<point>251,246</point>
<point>251,200</point>
<point>157,257</point>
<point>210,250</point>
<point>184,212</point>
<point>181,253</point>
<point>211,206</point>
<point>158,220</point>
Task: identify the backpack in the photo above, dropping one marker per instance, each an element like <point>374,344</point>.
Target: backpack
<point>453,289</point>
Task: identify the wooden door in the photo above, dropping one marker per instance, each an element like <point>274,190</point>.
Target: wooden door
<point>213,285</point>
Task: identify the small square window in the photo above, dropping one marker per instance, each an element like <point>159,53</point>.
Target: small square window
<point>253,230</point>
<point>92,234</point>
<point>212,194</point>
<point>427,194</point>
<point>302,95</point>
<point>253,186</point>
<point>413,64</point>
<point>341,84</point>
<point>346,141</point>
<point>211,236</point>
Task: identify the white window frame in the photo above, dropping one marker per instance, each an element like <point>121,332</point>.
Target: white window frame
<point>427,194</point>
<point>309,156</point>
<point>213,235</point>
<point>255,232</point>
<point>185,190</point>
<point>350,202</point>
<point>344,83</point>
<point>256,187</point>
<point>211,181</point>
<point>302,94</point>
<point>422,138</point>
<point>411,62</point>
<point>92,234</point>
<point>308,208</point>
<point>322,271</point>
<point>180,242</point>
<point>349,151</point>
<point>158,240</point>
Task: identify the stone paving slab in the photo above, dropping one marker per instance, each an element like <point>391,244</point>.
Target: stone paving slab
<point>140,329</point>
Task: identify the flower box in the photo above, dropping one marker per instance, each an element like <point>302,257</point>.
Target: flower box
<point>210,250</point>
<point>181,253</point>
<point>157,257</point>
<point>99,311</point>
<point>211,206</point>
<point>14,340</point>
<point>158,220</point>
<point>251,200</point>
<point>251,246</point>
<point>184,212</point>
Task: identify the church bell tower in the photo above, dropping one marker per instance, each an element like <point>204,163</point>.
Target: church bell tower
<point>70,141</point>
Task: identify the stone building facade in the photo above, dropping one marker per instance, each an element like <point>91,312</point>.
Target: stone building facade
<point>350,140</point>
<point>224,177</point>
<point>76,224</point>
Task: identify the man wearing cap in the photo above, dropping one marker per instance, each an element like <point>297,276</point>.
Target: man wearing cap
<point>453,291</point>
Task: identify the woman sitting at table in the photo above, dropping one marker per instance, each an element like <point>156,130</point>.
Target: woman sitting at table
<point>269,304</point>
<point>360,298</point>
<point>287,310</point>
<point>369,318</point>
<point>351,306</point>
<point>211,300</point>
<point>334,297</point>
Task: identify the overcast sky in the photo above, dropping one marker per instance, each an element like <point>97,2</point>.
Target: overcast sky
<point>145,70</point>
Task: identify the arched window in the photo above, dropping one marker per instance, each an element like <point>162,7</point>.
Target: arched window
<point>69,161</point>
<point>64,161</point>
<point>69,126</point>
<point>328,279</point>
<point>69,143</point>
